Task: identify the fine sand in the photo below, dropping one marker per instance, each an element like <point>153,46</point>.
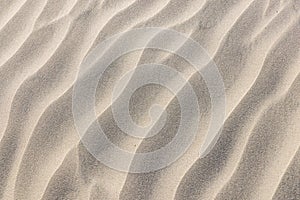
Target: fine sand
<point>256,47</point>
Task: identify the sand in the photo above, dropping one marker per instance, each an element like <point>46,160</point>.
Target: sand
<point>256,47</point>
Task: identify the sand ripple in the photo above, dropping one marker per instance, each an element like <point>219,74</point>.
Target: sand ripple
<point>254,43</point>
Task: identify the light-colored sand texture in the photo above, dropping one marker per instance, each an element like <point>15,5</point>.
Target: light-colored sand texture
<point>256,47</point>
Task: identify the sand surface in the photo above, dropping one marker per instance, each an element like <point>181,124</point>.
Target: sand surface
<point>256,47</point>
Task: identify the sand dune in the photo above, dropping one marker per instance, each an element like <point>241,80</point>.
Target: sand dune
<point>256,47</point>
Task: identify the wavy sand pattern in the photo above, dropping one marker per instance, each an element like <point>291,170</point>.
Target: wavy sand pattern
<point>254,43</point>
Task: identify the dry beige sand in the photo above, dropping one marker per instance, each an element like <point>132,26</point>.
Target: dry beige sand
<point>254,43</point>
